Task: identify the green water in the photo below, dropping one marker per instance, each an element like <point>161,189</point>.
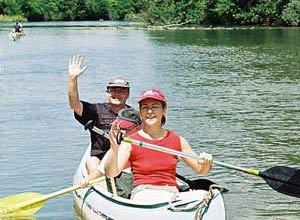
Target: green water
<point>232,93</point>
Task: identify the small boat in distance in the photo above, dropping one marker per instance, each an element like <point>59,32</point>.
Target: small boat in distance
<point>96,203</point>
<point>16,35</point>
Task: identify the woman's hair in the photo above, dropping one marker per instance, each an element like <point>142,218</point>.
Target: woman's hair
<point>163,119</point>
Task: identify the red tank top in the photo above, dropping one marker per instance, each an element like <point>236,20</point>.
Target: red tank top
<point>154,167</point>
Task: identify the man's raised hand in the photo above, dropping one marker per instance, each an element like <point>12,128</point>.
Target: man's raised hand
<point>75,66</point>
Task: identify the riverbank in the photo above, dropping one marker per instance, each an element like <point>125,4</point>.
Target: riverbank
<point>7,18</point>
<point>108,25</point>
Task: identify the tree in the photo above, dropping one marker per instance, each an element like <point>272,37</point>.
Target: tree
<point>10,7</point>
<point>96,9</point>
<point>291,13</point>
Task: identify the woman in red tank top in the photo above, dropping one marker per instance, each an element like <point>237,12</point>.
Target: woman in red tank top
<point>154,172</point>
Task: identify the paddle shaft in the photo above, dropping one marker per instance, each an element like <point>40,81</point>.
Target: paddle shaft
<point>186,155</point>
<point>282,179</point>
<point>44,198</point>
<point>177,153</point>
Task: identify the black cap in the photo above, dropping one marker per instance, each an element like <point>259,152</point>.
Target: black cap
<point>130,115</point>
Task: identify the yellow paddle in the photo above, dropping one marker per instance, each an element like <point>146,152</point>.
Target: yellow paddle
<point>26,204</point>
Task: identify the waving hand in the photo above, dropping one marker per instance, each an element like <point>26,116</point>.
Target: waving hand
<point>75,66</point>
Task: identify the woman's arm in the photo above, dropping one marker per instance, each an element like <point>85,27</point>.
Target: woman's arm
<point>203,165</point>
<point>117,157</point>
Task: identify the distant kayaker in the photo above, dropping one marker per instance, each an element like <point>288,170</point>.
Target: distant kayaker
<point>102,114</point>
<point>18,28</point>
<point>154,172</point>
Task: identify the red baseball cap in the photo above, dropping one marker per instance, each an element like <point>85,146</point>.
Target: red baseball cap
<point>153,94</point>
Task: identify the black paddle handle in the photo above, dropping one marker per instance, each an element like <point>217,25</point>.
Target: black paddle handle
<point>89,125</point>
<point>120,137</point>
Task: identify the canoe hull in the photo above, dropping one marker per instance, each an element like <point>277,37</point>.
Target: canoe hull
<point>16,35</point>
<point>96,204</point>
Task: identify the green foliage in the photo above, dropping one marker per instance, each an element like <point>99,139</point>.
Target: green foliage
<point>2,7</point>
<point>10,7</point>
<point>174,12</point>
<point>40,10</point>
<point>264,12</point>
<point>155,14</point>
<point>12,18</point>
<point>225,11</point>
<point>160,12</point>
<point>94,10</point>
<point>291,14</point>
<point>268,12</point>
<point>118,9</point>
<point>33,9</point>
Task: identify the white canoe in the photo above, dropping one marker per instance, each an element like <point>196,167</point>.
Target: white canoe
<point>96,203</point>
<point>16,35</point>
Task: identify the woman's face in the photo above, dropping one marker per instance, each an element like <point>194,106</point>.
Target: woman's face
<point>152,111</point>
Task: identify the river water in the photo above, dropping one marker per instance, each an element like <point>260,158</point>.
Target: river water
<point>233,93</point>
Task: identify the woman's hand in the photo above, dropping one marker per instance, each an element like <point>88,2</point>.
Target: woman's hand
<point>114,130</point>
<point>204,163</point>
<point>75,66</point>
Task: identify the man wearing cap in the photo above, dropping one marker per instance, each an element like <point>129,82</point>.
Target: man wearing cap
<point>102,114</point>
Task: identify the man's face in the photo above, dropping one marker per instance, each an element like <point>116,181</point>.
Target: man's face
<point>117,95</point>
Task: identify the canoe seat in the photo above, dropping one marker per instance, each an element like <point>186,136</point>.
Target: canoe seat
<point>183,186</point>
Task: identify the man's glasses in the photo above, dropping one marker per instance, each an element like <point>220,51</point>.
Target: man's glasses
<point>146,108</point>
<point>117,91</point>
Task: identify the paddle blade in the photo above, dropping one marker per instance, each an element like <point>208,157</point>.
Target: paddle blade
<point>285,180</point>
<point>7,205</point>
<point>18,218</point>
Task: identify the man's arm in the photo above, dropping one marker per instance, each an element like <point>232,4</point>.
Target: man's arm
<point>75,70</point>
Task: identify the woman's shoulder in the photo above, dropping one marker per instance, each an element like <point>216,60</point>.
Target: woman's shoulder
<point>173,134</point>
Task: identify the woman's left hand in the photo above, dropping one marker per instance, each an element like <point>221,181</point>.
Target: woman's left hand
<point>205,163</point>
<point>115,128</point>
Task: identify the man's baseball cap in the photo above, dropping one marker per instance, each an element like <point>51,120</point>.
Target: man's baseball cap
<point>118,82</point>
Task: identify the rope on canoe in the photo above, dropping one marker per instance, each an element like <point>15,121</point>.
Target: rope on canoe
<point>204,204</point>
<point>201,206</point>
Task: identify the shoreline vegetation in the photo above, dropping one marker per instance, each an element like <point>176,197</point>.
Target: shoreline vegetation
<point>167,14</point>
<point>12,18</point>
<point>6,22</point>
